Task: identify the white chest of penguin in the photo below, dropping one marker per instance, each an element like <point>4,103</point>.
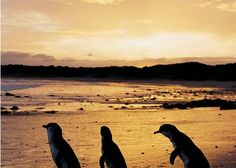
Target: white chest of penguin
<point>184,158</point>
<point>53,147</point>
<point>54,151</point>
<point>182,155</point>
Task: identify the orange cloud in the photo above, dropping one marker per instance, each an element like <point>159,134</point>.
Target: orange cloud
<point>33,21</point>
<point>226,5</point>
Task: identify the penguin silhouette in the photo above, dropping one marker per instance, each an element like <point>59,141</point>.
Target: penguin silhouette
<point>184,147</point>
<point>62,154</point>
<point>111,153</point>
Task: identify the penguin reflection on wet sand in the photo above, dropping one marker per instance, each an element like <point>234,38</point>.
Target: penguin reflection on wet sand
<point>62,154</point>
<point>111,153</point>
<point>184,147</point>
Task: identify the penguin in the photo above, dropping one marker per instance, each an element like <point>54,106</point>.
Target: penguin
<point>184,147</point>
<point>111,153</point>
<point>62,154</point>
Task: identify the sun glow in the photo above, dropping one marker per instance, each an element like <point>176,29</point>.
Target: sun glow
<point>119,29</point>
<point>131,48</point>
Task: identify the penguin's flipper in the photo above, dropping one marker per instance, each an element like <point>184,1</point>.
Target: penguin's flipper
<point>173,155</point>
<point>101,161</point>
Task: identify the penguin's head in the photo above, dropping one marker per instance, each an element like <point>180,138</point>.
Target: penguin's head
<point>167,130</point>
<point>106,133</point>
<point>53,129</point>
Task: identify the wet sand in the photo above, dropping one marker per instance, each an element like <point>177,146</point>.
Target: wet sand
<point>132,112</point>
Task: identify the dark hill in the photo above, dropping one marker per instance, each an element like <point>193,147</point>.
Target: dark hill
<point>181,71</point>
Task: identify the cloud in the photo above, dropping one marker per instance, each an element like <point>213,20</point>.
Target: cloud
<point>14,57</point>
<point>33,21</point>
<point>225,5</point>
<point>103,2</point>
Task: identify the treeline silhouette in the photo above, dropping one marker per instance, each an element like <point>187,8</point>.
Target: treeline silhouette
<point>180,71</point>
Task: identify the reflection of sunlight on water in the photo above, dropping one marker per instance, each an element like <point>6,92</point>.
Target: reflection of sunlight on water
<point>8,85</point>
<point>24,141</point>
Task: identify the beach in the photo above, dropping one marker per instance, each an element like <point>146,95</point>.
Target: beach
<point>132,110</point>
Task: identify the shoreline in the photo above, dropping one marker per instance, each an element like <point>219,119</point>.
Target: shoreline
<point>187,83</point>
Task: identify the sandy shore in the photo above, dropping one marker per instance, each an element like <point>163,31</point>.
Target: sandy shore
<point>132,112</point>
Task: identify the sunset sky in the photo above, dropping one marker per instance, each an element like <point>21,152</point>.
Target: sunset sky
<point>118,32</point>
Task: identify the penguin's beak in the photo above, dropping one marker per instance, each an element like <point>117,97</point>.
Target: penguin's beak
<point>45,126</point>
<point>156,132</point>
